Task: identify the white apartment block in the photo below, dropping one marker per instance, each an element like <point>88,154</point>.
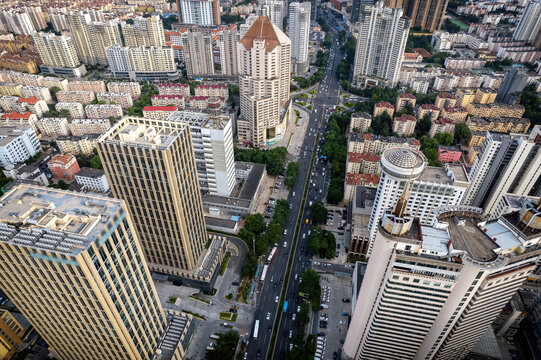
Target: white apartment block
<point>85,85</point>
<point>200,12</point>
<point>38,92</point>
<point>21,105</point>
<point>80,127</point>
<point>168,100</point>
<point>76,109</point>
<point>16,119</point>
<point>529,25</point>
<point>77,144</point>
<point>17,22</point>
<point>299,33</point>
<point>430,188</point>
<point>84,97</point>
<point>123,99</point>
<point>97,111</point>
<point>360,121</point>
<point>53,126</point>
<point>133,88</point>
<point>381,42</point>
<point>56,51</point>
<point>198,54</point>
<point>212,90</point>
<point>146,59</point>
<point>212,138</point>
<point>174,89</point>
<point>93,179</point>
<point>49,82</point>
<point>144,32</point>
<point>17,143</point>
<point>21,78</point>
<point>276,10</point>
<point>228,41</point>
<point>158,112</point>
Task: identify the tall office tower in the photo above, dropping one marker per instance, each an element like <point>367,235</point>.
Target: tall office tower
<point>151,165</point>
<point>198,55</point>
<point>212,138</point>
<point>264,79</point>
<point>56,51</point>
<point>72,264</point>
<point>431,187</point>
<point>229,39</point>
<point>299,34</point>
<point>507,163</point>
<point>430,292</point>
<point>275,10</point>
<point>383,34</point>
<point>529,26</point>
<point>512,85</point>
<point>427,14</point>
<point>199,12</point>
<point>144,32</point>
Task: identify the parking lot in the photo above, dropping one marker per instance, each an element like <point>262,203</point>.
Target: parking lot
<point>336,219</point>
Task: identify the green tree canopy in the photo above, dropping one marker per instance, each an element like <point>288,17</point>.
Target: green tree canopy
<point>255,223</point>
<point>225,347</point>
<point>319,213</point>
<point>462,132</point>
<point>310,285</point>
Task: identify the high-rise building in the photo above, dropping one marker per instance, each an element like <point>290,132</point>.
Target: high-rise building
<point>430,292</point>
<point>229,39</point>
<point>264,77</point>
<point>17,22</point>
<point>512,85</point>
<point>507,163</point>
<point>72,264</point>
<point>199,12</point>
<point>383,34</point>
<point>18,143</point>
<point>12,329</point>
<point>357,8</point>
<point>151,165</point>
<point>430,188</point>
<point>529,26</point>
<point>425,14</point>
<point>299,34</point>
<point>56,51</point>
<point>37,16</point>
<point>198,54</point>
<point>212,138</point>
<point>142,63</point>
<point>276,11</point>
<point>144,32</point>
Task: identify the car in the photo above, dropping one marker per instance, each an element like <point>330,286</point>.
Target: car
<point>275,285</point>
<point>281,282</point>
<point>285,243</point>
<point>296,276</point>
<point>342,341</point>
<point>334,355</point>
<point>212,344</point>
<point>308,235</point>
<point>298,308</point>
<point>346,300</point>
<point>267,316</point>
<point>290,334</point>
<point>293,193</point>
<point>323,322</point>
<point>344,313</point>
<point>258,353</point>
<point>323,318</point>
<point>294,317</point>
<point>299,258</point>
<point>285,232</point>
<point>235,283</point>
<point>245,355</point>
<point>290,347</point>
<point>320,333</point>
<point>289,314</point>
<point>343,322</point>
<point>272,279</point>
<point>304,236</point>
<point>323,326</point>
<point>269,329</point>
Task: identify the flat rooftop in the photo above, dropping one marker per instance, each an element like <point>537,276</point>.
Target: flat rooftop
<point>459,171</point>
<point>173,336</point>
<point>10,133</point>
<point>466,236</point>
<point>54,220</point>
<point>249,189</point>
<point>435,175</point>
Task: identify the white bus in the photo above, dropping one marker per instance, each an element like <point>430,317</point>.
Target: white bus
<point>256,329</point>
<point>264,273</point>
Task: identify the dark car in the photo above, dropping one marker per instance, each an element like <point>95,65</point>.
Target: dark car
<point>281,282</point>
<point>323,326</point>
<point>342,341</point>
<point>258,353</point>
<point>346,300</point>
<point>335,355</point>
<point>275,285</point>
<point>234,283</point>
<point>269,329</point>
<point>320,333</point>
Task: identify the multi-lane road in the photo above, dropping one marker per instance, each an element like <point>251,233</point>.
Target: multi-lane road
<point>270,294</point>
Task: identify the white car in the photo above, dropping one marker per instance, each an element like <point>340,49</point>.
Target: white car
<point>342,322</point>
<point>268,316</point>
<point>285,243</point>
<point>276,299</point>
<point>298,308</point>
<point>304,236</point>
<point>285,232</point>
<point>294,317</point>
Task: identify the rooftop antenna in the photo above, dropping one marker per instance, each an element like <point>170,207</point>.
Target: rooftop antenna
<point>402,202</point>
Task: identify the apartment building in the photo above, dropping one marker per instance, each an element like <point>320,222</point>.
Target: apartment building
<point>444,100</point>
<point>198,54</point>
<point>218,90</point>
<point>426,15</point>
<point>10,89</point>
<point>145,31</point>
<point>142,63</point>
<point>383,106</point>
<point>17,144</point>
<point>13,327</point>
<point>32,104</point>
<point>496,110</point>
<point>513,83</point>
<point>457,114</point>
<point>92,179</point>
<point>228,42</point>
<point>98,111</point>
<point>376,144</point>
<point>449,153</point>
<point>58,55</point>
<point>76,109</point>
<point>123,99</point>
<point>88,86</point>
<point>403,100</point>
<point>133,88</point>
<point>464,63</point>
<point>199,12</point>
<point>442,125</point>
<point>80,127</point>
<point>168,100</point>
<point>353,181</point>
<point>299,33</point>
<point>49,82</point>
<point>174,89</point>
<point>53,126</point>
<point>484,96</point>
<point>158,112</point>
<point>15,119</point>
<point>64,166</point>
<point>360,121</point>
<point>503,124</point>
<point>404,125</point>
<point>432,111</point>
<point>84,97</point>
<point>84,144</point>
<point>43,225</point>
<point>38,92</point>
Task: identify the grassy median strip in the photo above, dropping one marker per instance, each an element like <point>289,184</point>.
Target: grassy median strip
<point>225,262</point>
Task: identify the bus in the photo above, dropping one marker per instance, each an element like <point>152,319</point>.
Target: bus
<point>264,273</point>
<point>285,306</point>
<point>271,255</point>
<point>256,329</point>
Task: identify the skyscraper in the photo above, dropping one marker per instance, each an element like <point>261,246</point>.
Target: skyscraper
<point>229,39</point>
<point>507,163</point>
<point>151,165</point>
<point>430,187</point>
<point>430,292</point>
<point>299,34</point>
<point>512,85</point>
<point>529,26</point>
<point>57,51</point>
<point>357,7</point>
<point>198,54</point>
<point>276,10</point>
<point>72,264</point>
<point>144,32</point>
<point>383,34</point>
<point>426,14</point>
<point>199,12</point>
<point>264,79</point>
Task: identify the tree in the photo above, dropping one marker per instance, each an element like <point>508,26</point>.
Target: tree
<point>423,126</point>
<point>319,212</point>
<point>322,242</point>
<point>310,285</point>
<point>225,347</point>
<point>255,223</point>
<point>53,92</point>
<point>335,193</point>
<point>303,315</point>
<point>532,103</point>
<point>95,162</point>
<point>462,132</point>
<point>444,138</point>
<point>292,172</point>
<point>250,265</point>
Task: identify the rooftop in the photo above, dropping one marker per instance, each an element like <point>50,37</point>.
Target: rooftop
<point>90,173</point>
<point>160,108</point>
<point>385,104</point>
<point>16,115</point>
<point>10,133</point>
<point>264,29</point>
<point>54,220</point>
<point>251,185</point>
<point>405,118</point>
<point>466,236</point>
<point>406,96</point>
<point>61,159</point>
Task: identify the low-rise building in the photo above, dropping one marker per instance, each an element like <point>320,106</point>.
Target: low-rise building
<point>84,97</point>
<point>64,166</point>
<point>13,327</point>
<point>11,89</point>
<point>168,100</point>
<point>464,63</point>
<point>85,85</point>
<point>76,145</point>
<point>363,163</point>
<point>496,110</point>
<point>212,90</point>
<point>360,209</point>
<point>76,109</point>
<point>32,104</point>
<point>432,111</point>
<point>132,88</point>
<point>39,92</point>
<point>17,62</point>
<point>174,89</point>
<point>354,180</point>
<point>98,111</point>
<point>158,112</point>
<point>442,125</point>
<point>92,179</point>
<point>53,126</point>
<point>448,153</point>
<point>61,83</point>
<point>383,106</point>
<point>485,96</point>
<point>457,114</point>
<point>404,125</point>
<point>376,144</point>
<point>476,139</point>
<point>360,121</point>
<point>80,127</point>
<point>404,100</point>
<point>123,99</point>
<point>444,100</point>
<point>465,96</point>
<point>502,125</point>
<point>26,172</point>
<point>17,144</point>
<point>16,119</point>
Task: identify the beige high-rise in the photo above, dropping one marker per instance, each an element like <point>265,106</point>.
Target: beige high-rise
<point>151,165</point>
<point>144,32</point>
<point>72,263</point>
<point>57,51</point>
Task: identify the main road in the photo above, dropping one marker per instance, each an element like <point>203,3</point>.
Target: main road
<point>270,296</point>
